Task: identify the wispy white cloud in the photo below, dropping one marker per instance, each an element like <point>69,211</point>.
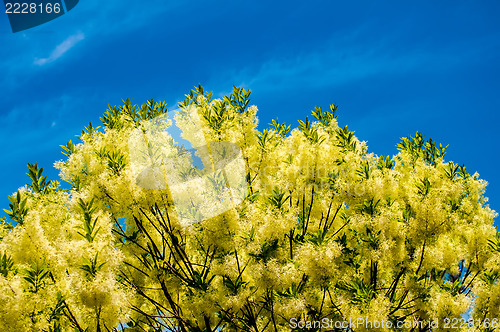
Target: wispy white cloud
<point>346,59</point>
<point>42,45</point>
<point>61,49</point>
<point>93,15</point>
<point>333,67</point>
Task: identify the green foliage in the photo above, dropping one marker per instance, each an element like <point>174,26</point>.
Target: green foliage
<point>36,275</point>
<point>463,172</point>
<point>365,170</point>
<point>239,98</point>
<point>6,265</point>
<point>68,149</point>
<point>369,206</point>
<point>490,276</point>
<point>280,128</point>
<point>57,312</point>
<point>266,251</point>
<point>117,117</point>
<point>278,198</point>
<point>418,147</point>
<point>235,285</point>
<point>191,98</point>
<point>91,267</point>
<point>151,110</point>
<point>294,290</point>
<point>250,236</point>
<point>89,228</point>
<point>361,293</point>
<point>370,237</point>
<point>18,209</point>
<point>385,163</point>
<point>217,181</point>
<point>407,214</point>
<point>263,139</point>
<point>331,180</point>
<point>217,116</point>
<point>116,162</point>
<point>310,132</point>
<point>39,184</point>
<point>424,187</point>
<point>318,238</point>
<point>451,170</point>
<point>494,244</point>
<point>111,119</point>
<point>325,118</point>
<point>76,183</point>
<point>346,139</point>
<point>89,131</point>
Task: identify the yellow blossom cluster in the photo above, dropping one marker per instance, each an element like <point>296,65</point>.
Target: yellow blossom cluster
<point>278,226</point>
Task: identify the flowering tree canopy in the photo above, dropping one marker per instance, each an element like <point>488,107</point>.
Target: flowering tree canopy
<point>249,230</point>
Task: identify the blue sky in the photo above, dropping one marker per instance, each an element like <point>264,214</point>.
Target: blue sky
<point>393,67</point>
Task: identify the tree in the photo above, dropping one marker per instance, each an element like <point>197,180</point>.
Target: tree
<point>277,230</point>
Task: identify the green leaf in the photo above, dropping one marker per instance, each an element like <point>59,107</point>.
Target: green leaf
<point>116,162</point>
<point>281,129</point>
<point>278,198</point>
<point>91,267</point>
<point>266,251</point>
<point>360,292</point>
<point>364,170</point>
<point>345,139</point>
<point>68,149</point>
<point>424,187</point>
<point>18,209</point>
<point>325,118</point>
<point>89,229</point>
<point>6,265</point>
<point>385,163</point>
<point>39,184</point>
<point>36,276</point>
